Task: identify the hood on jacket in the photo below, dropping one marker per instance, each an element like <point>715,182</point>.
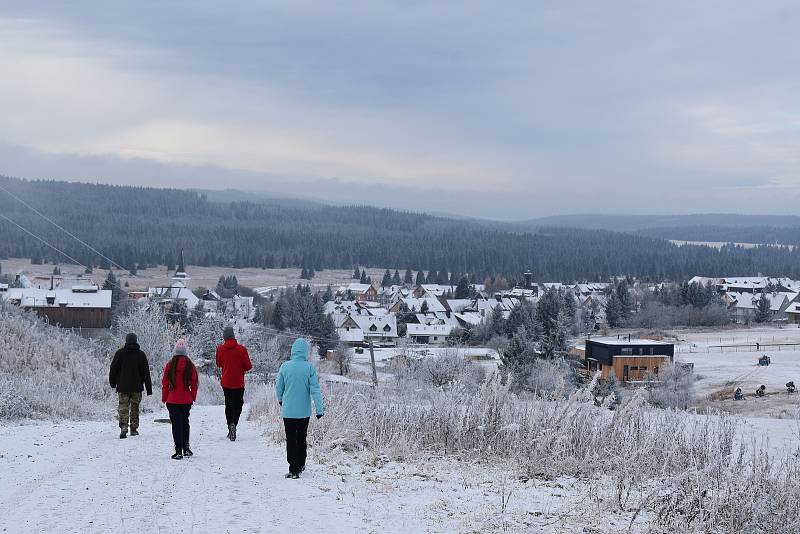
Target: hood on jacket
<point>132,346</point>
<point>228,343</point>
<point>299,349</point>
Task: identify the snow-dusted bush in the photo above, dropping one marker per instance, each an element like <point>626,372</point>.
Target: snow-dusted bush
<point>674,389</point>
<point>46,372</point>
<point>157,336</point>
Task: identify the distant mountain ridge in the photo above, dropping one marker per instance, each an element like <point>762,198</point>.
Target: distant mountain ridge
<point>718,227</point>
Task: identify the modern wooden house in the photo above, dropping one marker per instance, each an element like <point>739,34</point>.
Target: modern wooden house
<point>628,359</point>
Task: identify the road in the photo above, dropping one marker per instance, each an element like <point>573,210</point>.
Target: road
<point>80,477</point>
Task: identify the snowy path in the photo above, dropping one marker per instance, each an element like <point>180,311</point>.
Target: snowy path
<point>79,477</point>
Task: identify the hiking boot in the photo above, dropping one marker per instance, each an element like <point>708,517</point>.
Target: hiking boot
<point>289,475</point>
<point>177,456</point>
<point>187,452</point>
<point>123,433</point>
<point>233,432</point>
<point>134,433</point>
<point>230,431</point>
<point>294,475</point>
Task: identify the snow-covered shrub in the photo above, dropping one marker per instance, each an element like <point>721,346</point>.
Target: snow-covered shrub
<point>674,389</point>
<point>46,372</point>
<point>157,336</point>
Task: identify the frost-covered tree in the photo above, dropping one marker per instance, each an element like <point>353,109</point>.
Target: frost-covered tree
<point>157,335</point>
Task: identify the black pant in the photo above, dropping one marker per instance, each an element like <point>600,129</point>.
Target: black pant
<point>296,431</point>
<point>179,417</point>
<point>234,400</point>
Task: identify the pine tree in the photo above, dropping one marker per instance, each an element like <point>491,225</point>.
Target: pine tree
<point>763,311</point>
<point>408,279</point>
<point>396,278</point>
<point>423,308</point>
<point>387,279</point>
<point>420,278</point>
<point>463,289</point>
<point>112,285</point>
<point>328,295</point>
<point>613,309</point>
<point>364,278</point>
<point>304,274</point>
<point>356,273</point>
<point>327,334</point>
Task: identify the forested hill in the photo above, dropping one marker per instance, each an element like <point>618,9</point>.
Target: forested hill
<point>137,226</point>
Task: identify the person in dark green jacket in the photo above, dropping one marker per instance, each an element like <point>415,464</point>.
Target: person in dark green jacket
<point>296,386</point>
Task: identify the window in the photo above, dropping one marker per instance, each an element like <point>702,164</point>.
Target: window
<point>387,328</point>
<point>655,370</point>
<point>627,351</point>
<point>373,328</point>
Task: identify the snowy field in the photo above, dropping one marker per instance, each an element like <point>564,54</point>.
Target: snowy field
<point>720,371</point>
<point>79,477</point>
<point>200,276</point>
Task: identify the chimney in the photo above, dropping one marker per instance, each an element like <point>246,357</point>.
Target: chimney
<point>528,279</point>
<point>51,282</point>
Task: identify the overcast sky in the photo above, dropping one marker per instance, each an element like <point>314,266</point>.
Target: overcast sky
<point>507,109</point>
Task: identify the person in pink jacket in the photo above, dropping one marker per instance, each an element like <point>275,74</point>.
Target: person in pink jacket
<point>178,392</point>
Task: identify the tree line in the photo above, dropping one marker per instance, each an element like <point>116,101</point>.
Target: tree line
<point>140,227</point>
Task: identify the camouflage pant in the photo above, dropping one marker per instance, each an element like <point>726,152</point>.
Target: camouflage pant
<point>129,408</point>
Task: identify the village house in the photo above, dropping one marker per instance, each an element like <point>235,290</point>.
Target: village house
<point>628,359</point>
<point>80,306</point>
<point>356,291</point>
<point>742,306</point>
<point>428,334</point>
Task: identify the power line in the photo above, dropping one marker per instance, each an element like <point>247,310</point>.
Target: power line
<point>70,258</point>
<point>79,240</point>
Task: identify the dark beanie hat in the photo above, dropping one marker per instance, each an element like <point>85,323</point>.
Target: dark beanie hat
<point>131,339</point>
<point>228,333</point>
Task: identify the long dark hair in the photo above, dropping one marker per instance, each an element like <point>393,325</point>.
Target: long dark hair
<point>188,371</point>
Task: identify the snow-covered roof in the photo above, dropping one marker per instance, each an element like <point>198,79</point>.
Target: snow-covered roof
<point>350,335</point>
<point>469,318</point>
<point>377,326</point>
<point>608,340</point>
<point>415,305</point>
<point>748,300</point>
<point>354,288</point>
<point>592,287</point>
<point>176,292</point>
<point>458,305</point>
<point>31,297</point>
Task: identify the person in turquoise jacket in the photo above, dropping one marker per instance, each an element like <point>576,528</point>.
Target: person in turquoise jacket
<point>296,385</point>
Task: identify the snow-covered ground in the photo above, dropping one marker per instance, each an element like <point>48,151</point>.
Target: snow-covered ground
<point>79,477</point>
<point>719,371</point>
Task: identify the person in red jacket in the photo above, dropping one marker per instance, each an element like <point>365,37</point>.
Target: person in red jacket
<point>234,361</point>
<point>178,392</point>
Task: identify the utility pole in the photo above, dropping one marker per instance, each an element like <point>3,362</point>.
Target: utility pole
<point>372,361</point>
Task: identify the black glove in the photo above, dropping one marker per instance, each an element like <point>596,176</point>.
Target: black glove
<point>319,415</point>
<point>280,403</point>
